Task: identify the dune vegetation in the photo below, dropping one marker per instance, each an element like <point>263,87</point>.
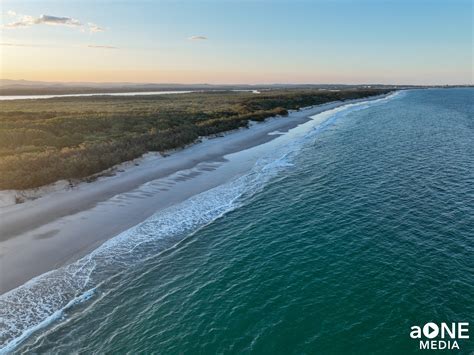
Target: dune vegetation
<point>42,141</point>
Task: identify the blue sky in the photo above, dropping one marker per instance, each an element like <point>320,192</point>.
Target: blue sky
<point>325,41</point>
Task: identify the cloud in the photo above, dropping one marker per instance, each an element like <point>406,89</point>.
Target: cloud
<point>16,44</point>
<point>101,46</point>
<point>54,20</point>
<point>27,21</point>
<point>95,28</point>
<point>24,21</point>
<point>197,38</point>
<point>9,44</point>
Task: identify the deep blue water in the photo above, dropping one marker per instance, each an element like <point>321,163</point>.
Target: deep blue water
<point>336,243</point>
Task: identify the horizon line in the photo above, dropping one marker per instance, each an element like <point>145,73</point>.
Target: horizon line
<point>227,84</point>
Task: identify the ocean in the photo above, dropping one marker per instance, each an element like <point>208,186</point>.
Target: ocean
<point>353,228</point>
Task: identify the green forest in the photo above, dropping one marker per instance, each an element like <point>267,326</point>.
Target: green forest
<point>45,140</point>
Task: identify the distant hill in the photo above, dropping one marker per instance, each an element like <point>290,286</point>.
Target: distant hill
<point>28,87</point>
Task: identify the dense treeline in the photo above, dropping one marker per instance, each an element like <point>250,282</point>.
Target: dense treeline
<point>42,141</point>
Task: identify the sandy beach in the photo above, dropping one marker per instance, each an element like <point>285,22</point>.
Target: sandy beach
<point>43,234</point>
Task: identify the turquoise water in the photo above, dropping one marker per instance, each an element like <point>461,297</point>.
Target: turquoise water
<point>336,243</point>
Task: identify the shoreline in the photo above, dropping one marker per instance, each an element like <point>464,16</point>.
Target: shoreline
<point>56,229</point>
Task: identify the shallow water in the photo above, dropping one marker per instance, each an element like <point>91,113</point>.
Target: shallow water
<point>340,240</point>
<point>133,93</point>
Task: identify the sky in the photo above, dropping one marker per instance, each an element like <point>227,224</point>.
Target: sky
<point>238,41</point>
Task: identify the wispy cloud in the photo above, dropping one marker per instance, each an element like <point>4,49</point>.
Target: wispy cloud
<point>17,44</point>
<point>101,46</point>
<point>28,21</point>
<point>24,21</point>
<point>197,38</point>
<point>11,44</point>
<point>95,28</point>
